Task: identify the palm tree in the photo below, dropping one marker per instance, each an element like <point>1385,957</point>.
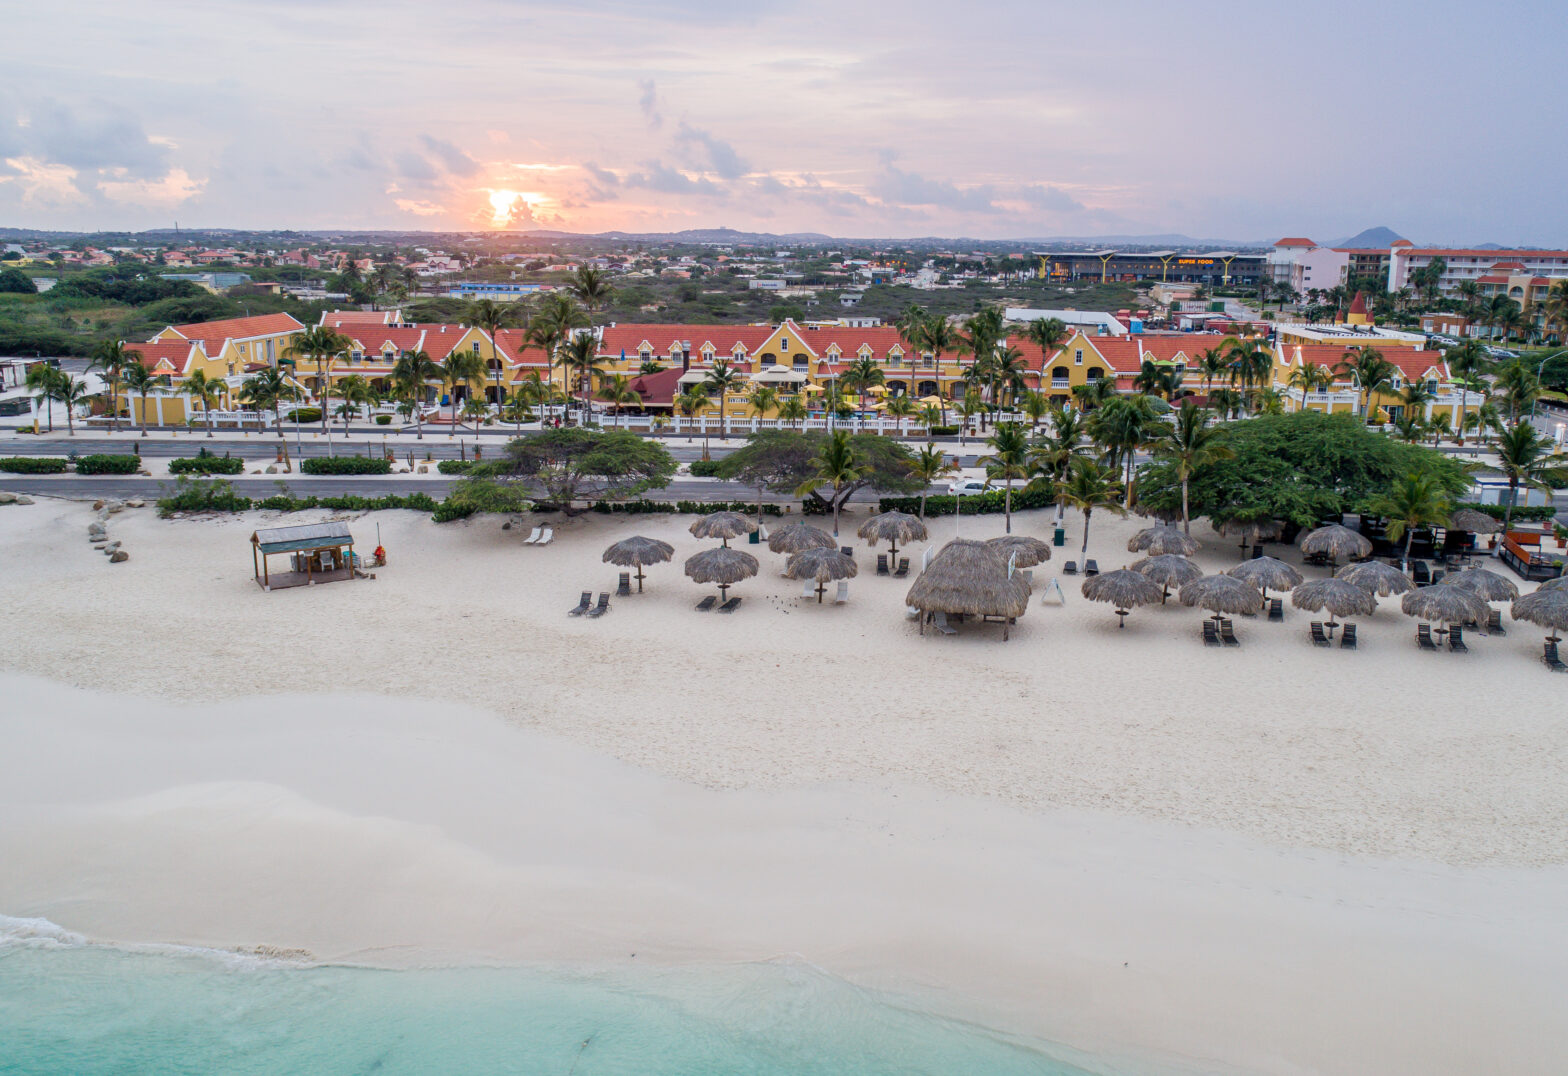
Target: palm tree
<point>1048,334</point>
<point>722,380</point>
<point>1519,386</point>
<point>1086,486</point>
<point>1372,373</point>
<point>199,386</point>
<point>553,324</point>
<point>860,375</point>
<point>900,407</point>
<point>1416,500</point>
<point>462,368</point>
<point>266,391</point>
<point>617,390</point>
<point>936,335</point>
<point>356,393</point>
<point>691,403</point>
<point>1157,379</point>
<point>410,373</point>
<point>112,358</point>
<point>1212,364</point>
<point>1410,430</point>
<point>1467,361</point>
<point>763,398</point>
<point>1485,417</point>
<point>42,378</point>
<point>591,287</point>
<point>1191,444</point>
<point>1121,427</point>
<point>1251,364</point>
<point>490,317</point>
<point>834,465</point>
<point>931,463</point>
<point>580,357</point>
<point>1095,394</point>
<point>1522,456</point>
<point>1415,396</point>
<point>1009,460</point>
<point>971,405</point>
<point>72,393</point>
<point>1225,401</point>
<point>1036,406</point>
<point>793,411</point>
<point>139,379</point>
<point>1008,373</point>
<point>322,345</point>
<point>1555,306</point>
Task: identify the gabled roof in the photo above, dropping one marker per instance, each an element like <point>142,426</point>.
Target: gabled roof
<point>515,349</point>
<point>662,338</point>
<point>344,320</point>
<point>1295,241</point>
<point>1412,365</point>
<point>240,328</point>
<point>174,356</point>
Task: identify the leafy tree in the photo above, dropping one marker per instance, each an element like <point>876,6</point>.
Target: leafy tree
<point>16,281</point>
<point>783,459</point>
<point>1416,499</point>
<point>1523,456</point>
<point>573,463</point>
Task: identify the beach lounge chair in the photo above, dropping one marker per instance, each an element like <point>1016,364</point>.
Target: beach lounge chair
<point>582,604</point>
<point>1276,609</point>
<point>1319,638</point>
<point>1228,634</point>
<point>1211,634</point>
<point>1091,567</point>
<point>843,592</point>
<point>809,590</point>
<point>903,568</point>
<point>730,606</point>
<point>881,563</point>
<point>1437,575</point>
<point>1424,637</point>
<point>1347,637</point>
<point>1494,623</point>
<point>1456,640</point>
<point>1070,568</point>
<point>1420,573</point>
<point>707,603</point>
<point>848,551</point>
<point>1028,574</point>
<point>940,620</point>
<point>1549,656</point>
<point>1316,558</point>
<point>624,587</point>
<point>534,537</point>
<point>547,537</point>
<point>603,606</point>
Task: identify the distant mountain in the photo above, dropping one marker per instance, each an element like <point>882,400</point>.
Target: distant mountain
<point>1378,238</point>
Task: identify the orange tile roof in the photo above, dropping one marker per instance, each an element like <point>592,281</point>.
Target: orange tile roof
<point>343,320</point>
<point>240,328</point>
<point>1295,241</point>
<point>1446,252</point>
<point>1412,365</point>
<point>177,353</point>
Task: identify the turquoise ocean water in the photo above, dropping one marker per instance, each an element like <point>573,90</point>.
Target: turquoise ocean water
<point>84,1009</point>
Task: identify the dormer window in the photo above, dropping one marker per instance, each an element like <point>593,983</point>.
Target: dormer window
<point>1078,357</point>
<point>783,343</point>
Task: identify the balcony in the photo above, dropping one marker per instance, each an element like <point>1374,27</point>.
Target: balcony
<point>1059,383</point>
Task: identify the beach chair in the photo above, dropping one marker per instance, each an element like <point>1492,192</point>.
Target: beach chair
<point>848,551</point>
<point>1276,609</point>
<point>1437,575</point>
<point>1420,574</point>
<point>1494,623</point>
<point>881,563</point>
<point>1091,567</point>
<point>843,592</point>
<point>1211,634</point>
<point>1424,637</point>
<point>809,590</point>
<point>707,603</point>
<point>1456,640</point>
<point>730,606</point>
<point>582,604</point>
<point>547,537</point>
<point>762,533</point>
<point>1549,656</point>
<point>911,613</point>
<point>1228,634</point>
<point>603,606</point>
<point>1028,574</point>
<point>903,568</point>
<point>534,537</point>
<point>1319,637</point>
<point>940,620</point>
<point>1347,637</point>
<point>624,587</point>
<point>1070,568</point>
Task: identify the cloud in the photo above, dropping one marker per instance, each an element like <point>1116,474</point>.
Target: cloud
<point>648,101</point>
<point>722,157</point>
<point>452,159</point>
<point>901,188</point>
<point>420,208</point>
<point>603,176</point>
<point>1052,198</point>
<point>42,183</point>
<point>415,167</point>
<point>666,180</point>
<point>101,136</point>
<point>172,189</point>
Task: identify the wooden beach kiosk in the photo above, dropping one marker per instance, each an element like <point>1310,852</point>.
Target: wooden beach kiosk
<point>318,553</point>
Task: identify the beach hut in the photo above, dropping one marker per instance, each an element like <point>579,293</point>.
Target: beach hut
<point>1124,589</point>
<point>968,578</point>
<point>1267,573</point>
<point>724,566</point>
<point>723,525</point>
<point>1382,579</point>
<point>799,537</point>
<point>1168,570</point>
<point>823,565</point>
<point>1020,550</point>
<point>318,553</point>
<point>1158,541</point>
<point>1340,597</point>
<point>892,527</point>
<point>636,551</point>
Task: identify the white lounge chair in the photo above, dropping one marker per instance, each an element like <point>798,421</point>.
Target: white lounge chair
<point>809,590</point>
<point>940,620</point>
<point>843,592</point>
<point>547,537</point>
<point>534,537</point>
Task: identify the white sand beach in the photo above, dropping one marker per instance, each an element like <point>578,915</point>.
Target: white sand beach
<point>1267,859</point>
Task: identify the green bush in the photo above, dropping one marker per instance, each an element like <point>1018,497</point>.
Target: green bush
<point>32,465</point>
<point>303,414</point>
<point>634,507</point>
<point>975,504</point>
<point>697,508</point>
<point>345,465</point>
<point>455,466</point>
<point>1524,513</point>
<point>219,496</point>
<point>105,464</point>
<point>383,420</point>
<point>191,496</point>
<point>942,431</point>
<point>207,465</point>
<point>704,468</point>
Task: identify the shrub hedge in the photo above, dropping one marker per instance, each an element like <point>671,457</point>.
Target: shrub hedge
<point>455,466</point>
<point>106,464</point>
<point>303,414</point>
<point>1525,513</point>
<point>686,507</point>
<point>219,496</point>
<point>383,420</point>
<point>207,465</point>
<point>704,468</point>
<point>976,504</point>
<point>32,465</point>
<point>345,465</point>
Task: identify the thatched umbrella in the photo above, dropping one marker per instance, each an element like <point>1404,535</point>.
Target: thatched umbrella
<point>1020,550</point>
<point>1251,523</point>
<point>636,551</point>
<point>969,578</point>
<point>892,527</point>
<point>1168,570</point>
<point>1489,586</point>
<point>1158,541</point>
<point>1222,594</point>
<point>1468,519</point>
<point>1382,579</point>
<point>1450,605</point>
<point>799,537</point>
<point>1336,543</point>
<point>1545,608</point>
<point>723,525</point>
<point>724,566</point>
<point>1560,583</point>
<point>1124,588</point>
<point>1267,573</point>
<point>1339,596</point>
<point>823,565</point>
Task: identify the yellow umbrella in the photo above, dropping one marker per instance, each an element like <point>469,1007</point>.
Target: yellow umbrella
<point>811,388</point>
<point>931,401</point>
<point>879,407</point>
<point>878,390</point>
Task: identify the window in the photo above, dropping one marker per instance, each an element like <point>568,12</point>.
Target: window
<point>783,343</point>
<point>476,347</point>
<point>1078,357</point>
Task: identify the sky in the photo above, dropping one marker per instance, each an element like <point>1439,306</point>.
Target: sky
<point>860,118</point>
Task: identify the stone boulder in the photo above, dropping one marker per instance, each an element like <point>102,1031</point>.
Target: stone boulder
<point>7,498</point>
<point>118,556</point>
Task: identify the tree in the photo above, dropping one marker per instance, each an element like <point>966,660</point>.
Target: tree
<point>1467,361</point>
<point>17,282</point>
<point>1416,500</point>
<point>691,403</point>
<point>461,369</point>
<point>934,336</point>
<point>580,359</point>
<point>42,379</point>
<point>1048,334</point>
<point>1089,485</point>
<point>786,460</point>
<point>1519,386</point>
<point>591,287</point>
<point>410,374</point>
<point>1053,454</point>
<point>722,380</point>
<point>1371,371</point>
<point>111,359</point>
<point>324,345</point>
<point>763,398</point>
<point>139,379</point>
<point>490,317</point>
<point>70,391</point>
<point>1095,393</point>
<point>834,465</point>
<point>930,464</point>
<point>574,463</point>
<point>861,374</point>
<point>557,318</point>
<point>1213,364</point>
<point>356,393</point>
<point>617,391</point>
<point>1555,307</point>
<point>793,411</point>
<point>1008,461</point>
<point>1191,445</point>
<point>1157,379</point>
<point>1523,456</point>
<point>1121,427</point>
<point>199,386</point>
<point>266,391</point>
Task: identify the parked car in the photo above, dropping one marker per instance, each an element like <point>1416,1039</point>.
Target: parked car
<point>966,486</point>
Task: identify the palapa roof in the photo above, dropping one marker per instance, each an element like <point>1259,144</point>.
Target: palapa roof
<point>721,565</point>
<point>1266,573</point>
<point>302,536</point>
<point>1168,569</point>
<point>1157,541</point>
<point>1547,608</point>
<point>1336,542</point>
<point>723,525</point>
<point>969,577</point>
<point>1489,586</point>
<point>1339,596</point>
<point>1022,550</point>
<point>1451,605</point>
<point>893,527</point>
<point>798,537</point>
<point>1560,583</point>
<point>1123,588</point>
<point>636,551</point>
<point>1468,519</point>
<point>1374,575</point>
<point>823,565</point>
<point>1222,594</point>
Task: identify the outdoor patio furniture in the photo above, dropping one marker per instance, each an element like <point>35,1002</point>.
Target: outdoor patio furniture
<point>730,606</point>
<point>1424,637</point>
<point>624,587</point>
<point>1494,623</point>
<point>1347,638</point>
<point>1276,609</point>
<point>1070,568</point>
<point>707,603</point>
<point>1456,641</point>
<point>940,620</point>
<point>603,606</point>
<point>903,568</point>
<point>534,537</point>
<point>582,604</point>
<point>1091,567</point>
<point>881,563</point>
<point>1211,635</point>
<point>1553,662</point>
<point>1318,636</point>
<point>843,592</point>
<point>1228,634</point>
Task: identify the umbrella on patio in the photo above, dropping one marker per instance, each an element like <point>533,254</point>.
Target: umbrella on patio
<point>1560,583</point>
<point>1468,519</point>
<point>1544,608</point>
<point>724,566</point>
<point>1124,588</point>
<point>823,565</point>
<point>1336,543</point>
<point>1168,570</point>
<point>1021,550</point>
<point>1251,523</point>
<point>1339,597</point>
<point>1489,586</point>
<point>969,578</point>
<point>1267,573</point>
<point>892,527</point>
<point>1157,541</point>
<point>1450,605</point>
<point>1382,579</point>
<point>1222,594</point>
<point>799,537</point>
<point>637,551</point>
<point>723,525</point>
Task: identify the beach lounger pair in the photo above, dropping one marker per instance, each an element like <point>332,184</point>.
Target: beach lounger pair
<point>540,536</point>
<point>710,601</point>
<point>583,605</point>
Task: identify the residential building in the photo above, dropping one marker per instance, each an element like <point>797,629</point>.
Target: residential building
<point>1303,265</point>
<point>1461,265</point>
